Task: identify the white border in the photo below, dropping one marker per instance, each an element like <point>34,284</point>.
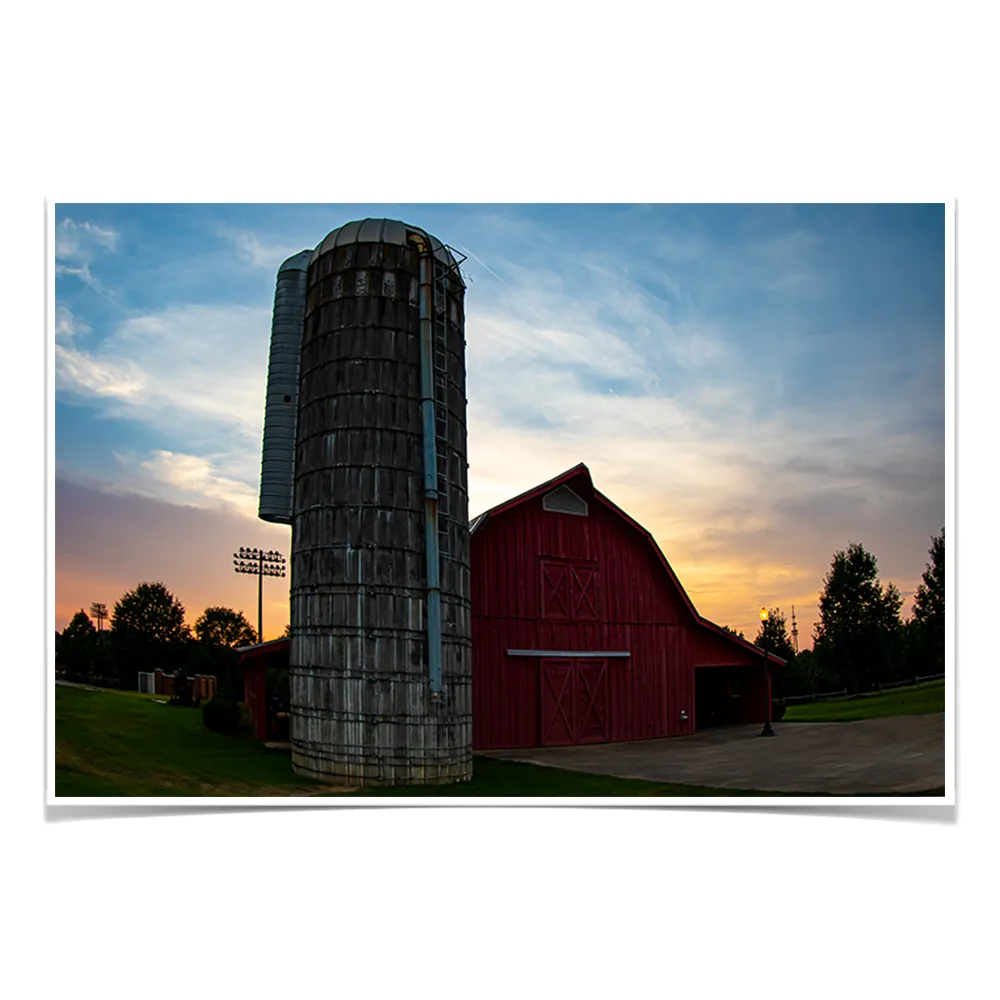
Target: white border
<point>646,802</point>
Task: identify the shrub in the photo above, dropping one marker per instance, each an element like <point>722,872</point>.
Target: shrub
<point>777,710</point>
<point>221,715</point>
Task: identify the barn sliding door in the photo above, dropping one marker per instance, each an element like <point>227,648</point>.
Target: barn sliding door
<point>574,701</point>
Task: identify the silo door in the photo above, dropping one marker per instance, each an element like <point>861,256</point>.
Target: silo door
<point>574,701</point>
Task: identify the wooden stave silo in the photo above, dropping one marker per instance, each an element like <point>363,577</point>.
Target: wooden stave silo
<point>361,702</point>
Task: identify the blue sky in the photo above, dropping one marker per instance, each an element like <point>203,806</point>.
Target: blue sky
<point>758,385</point>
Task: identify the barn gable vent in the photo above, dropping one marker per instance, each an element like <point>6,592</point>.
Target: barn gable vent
<point>564,501</point>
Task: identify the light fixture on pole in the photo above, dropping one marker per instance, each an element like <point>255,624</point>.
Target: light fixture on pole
<point>259,563</point>
<point>767,730</point>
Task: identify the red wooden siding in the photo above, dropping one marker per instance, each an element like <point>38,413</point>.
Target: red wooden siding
<point>550,581</point>
<point>254,695</point>
<point>254,662</point>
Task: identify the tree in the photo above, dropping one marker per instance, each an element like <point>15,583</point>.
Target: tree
<point>732,631</point>
<point>219,626</point>
<point>80,626</point>
<point>798,675</point>
<point>773,635</point>
<point>147,629</point>
<point>928,611</point>
<point>220,631</point>
<point>857,635</point>
<point>150,611</point>
<point>77,647</point>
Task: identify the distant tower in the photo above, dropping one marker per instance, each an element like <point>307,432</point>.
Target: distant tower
<point>795,632</point>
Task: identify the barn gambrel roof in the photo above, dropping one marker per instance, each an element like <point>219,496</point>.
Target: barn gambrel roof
<point>581,471</point>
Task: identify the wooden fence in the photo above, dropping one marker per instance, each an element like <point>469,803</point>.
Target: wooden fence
<point>878,689</point>
<point>157,682</point>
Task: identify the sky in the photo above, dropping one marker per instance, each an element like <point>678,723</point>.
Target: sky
<point>758,385</point>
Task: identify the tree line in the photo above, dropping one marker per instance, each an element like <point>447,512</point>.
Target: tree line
<point>147,631</point>
<point>861,638</point>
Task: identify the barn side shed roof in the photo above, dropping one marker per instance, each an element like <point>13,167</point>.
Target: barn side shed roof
<point>581,471</point>
<point>263,649</point>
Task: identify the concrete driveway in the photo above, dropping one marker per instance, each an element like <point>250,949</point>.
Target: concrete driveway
<point>901,754</point>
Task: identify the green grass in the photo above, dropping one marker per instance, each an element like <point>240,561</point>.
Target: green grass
<point>124,743</point>
<point>900,701</point>
<point>115,743</point>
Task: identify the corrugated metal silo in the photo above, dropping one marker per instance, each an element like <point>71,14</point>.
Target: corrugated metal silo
<point>278,452</point>
<point>380,652</point>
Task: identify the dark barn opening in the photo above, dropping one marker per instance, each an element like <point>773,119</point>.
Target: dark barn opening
<point>727,695</point>
<point>711,696</point>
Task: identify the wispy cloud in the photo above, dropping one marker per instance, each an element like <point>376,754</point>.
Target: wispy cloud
<point>683,426</point>
<point>81,240</point>
<point>77,244</point>
<point>195,478</point>
<point>709,377</point>
<point>194,373</point>
<point>81,373</point>
<point>254,250</point>
<point>67,325</point>
<point>194,363</point>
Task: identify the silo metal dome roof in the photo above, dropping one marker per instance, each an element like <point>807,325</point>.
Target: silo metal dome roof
<point>382,231</point>
<point>297,262</point>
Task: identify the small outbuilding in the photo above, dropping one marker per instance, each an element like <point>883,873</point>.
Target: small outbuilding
<point>582,633</point>
<point>267,714</point>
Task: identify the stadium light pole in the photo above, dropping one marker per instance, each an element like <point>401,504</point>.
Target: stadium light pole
<point>767,730</point>
<point>259,563</point>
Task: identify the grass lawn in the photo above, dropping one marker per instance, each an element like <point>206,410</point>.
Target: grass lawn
<point>116,743</point>
<point>126,744</point>
<point>900,701</point>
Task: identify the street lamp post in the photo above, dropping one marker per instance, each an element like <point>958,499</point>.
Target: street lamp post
<point>767,730</point>
<point>259,563</point>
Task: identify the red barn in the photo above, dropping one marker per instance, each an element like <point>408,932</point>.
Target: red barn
<point>582,633</point>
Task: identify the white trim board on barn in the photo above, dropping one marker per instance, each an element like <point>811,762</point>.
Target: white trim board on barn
<point>575,654</point>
